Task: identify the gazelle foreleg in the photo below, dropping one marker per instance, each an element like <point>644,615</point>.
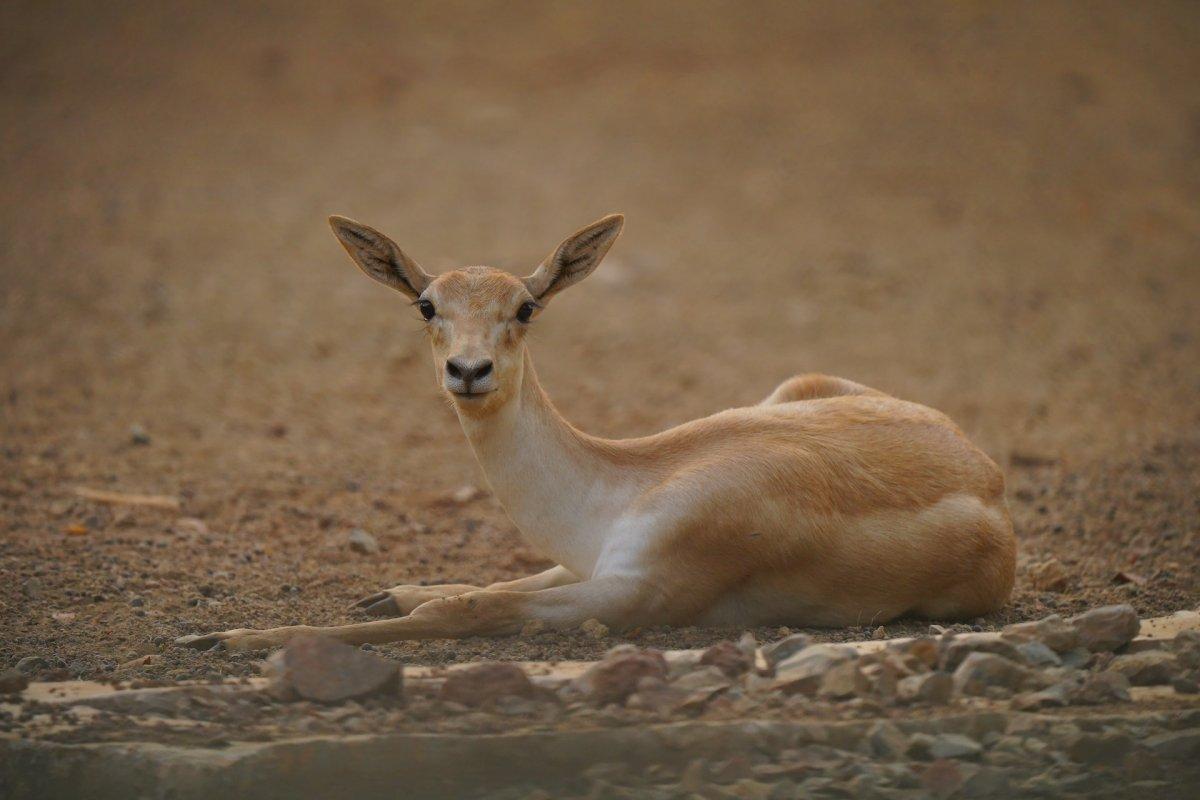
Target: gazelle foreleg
<point>401,600</point>
<point>614,600</point>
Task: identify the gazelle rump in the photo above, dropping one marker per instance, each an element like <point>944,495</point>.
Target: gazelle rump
<point>827,504</point>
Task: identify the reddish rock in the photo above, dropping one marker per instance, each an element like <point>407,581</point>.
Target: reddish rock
<point>942,778</point>
<point>1052,631</point>
<point>325,670</point>
<point>476,685</point>
<point>727,657</point>
<point>616,677</point>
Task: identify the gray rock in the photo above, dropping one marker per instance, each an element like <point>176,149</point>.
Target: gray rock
<point>954,745</point>
<point>31,665</point>
<point>842,681</point>
<point>1101,688</point>
<point>138,435</point>
<point>1098,748</point>
<point>802,673</point>
<point>325,670</point>
<point>963,646</point>
<point>1108,628</point>
<point>1052,631</point>
<point>1039,654</point>
<point>1056,696</point>
<point>987,782</point>
<point>1151,668</point>
<point>1176,745</point>
<point>932,688</point>
<point>1186,646</point>
<point>981,671</point>
<point>778,651</point>
<point>362,542</point>
<point>885,740</point>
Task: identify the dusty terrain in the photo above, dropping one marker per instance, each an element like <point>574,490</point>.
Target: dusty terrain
<point>991,211</point>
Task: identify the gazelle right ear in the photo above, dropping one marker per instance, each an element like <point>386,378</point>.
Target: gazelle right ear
<point>379,257</point>
<point>575,258</point>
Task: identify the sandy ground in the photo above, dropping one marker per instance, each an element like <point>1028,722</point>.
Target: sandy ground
<point>989,209</point>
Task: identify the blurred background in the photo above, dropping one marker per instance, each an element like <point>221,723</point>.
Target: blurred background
<point>991,208</point>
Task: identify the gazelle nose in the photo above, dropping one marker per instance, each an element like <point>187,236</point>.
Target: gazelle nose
<point>468,371</point>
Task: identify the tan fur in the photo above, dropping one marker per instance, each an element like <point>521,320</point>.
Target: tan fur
<point>829,503</point>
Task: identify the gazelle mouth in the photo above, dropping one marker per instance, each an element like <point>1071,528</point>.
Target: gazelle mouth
<point>469,395</point>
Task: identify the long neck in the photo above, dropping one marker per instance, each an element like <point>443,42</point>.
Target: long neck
<point>551,478</point>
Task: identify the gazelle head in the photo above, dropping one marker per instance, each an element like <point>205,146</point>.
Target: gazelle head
<point>477,316</point>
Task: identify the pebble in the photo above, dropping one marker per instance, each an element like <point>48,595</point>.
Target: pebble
<point>803,672</point>
<point>594,628</point>
<point>782,649</point>
<point>13,681</point>
<point>1149,668</point>
<point>1052,631</point>
<point>954,745</point>
<point>138,435</point>
<point>1108,628</point>
<point>981,671</point>
<point>478,684</point>
<point>325,670</point>
<point>31,665</point>
<point>728,657</point>
<point>362,542</point>
<point>616,677</point>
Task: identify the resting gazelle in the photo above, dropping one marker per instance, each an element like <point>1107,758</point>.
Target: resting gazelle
<point>827,504</point>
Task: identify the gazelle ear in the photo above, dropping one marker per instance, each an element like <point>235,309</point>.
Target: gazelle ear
<point>575,258</point>
<point>379,257</point>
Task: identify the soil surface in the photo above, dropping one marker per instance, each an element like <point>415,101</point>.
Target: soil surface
<point>990,210</point>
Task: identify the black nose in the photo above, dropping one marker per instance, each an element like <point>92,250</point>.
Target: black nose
<point>468,371</point>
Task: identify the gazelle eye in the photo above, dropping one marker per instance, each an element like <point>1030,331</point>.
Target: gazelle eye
<point>525,311</point>
<point>427,309</point>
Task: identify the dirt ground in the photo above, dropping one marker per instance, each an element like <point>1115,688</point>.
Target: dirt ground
<point>991,209</point>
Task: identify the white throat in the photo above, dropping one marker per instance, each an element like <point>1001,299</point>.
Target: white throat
<point>550,478</point>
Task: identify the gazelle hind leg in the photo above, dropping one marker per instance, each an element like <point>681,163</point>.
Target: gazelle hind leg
<point>614,600</point>
<point>815,386</point>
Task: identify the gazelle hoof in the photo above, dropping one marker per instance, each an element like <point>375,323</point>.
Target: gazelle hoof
<point>384,608</point>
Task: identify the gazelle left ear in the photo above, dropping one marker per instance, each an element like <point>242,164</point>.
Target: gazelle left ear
<point>379,257</point>
<point>575,258</point>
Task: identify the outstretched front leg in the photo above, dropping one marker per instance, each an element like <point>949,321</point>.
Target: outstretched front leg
<point>617,601</point>
<point>401,600</point>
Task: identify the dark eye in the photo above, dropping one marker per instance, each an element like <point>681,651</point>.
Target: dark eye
<point>525,311</point>
<point>427,309</point>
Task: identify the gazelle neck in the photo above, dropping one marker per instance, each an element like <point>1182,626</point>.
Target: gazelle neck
<point>550,477</point>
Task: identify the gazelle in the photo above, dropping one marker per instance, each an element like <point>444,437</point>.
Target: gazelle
<point>826,504</point>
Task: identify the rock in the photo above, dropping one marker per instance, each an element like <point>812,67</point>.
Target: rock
<point>703,678</point>
<point>1186,646</point>
<point>980,671</point>
<point>1055,696</point>
<point>922,650</point>
<point>1108,628</point>
<point>31,665</point>
<point>594,628</point>
<point>933,688</point>
<point>987,782</point>
<point>12,681</point>
<point>616,677</point>
<point>1151,668</point>
<point>1048,576</point>
<point>962,646</point>
<point>140,661</point>
<point>954,745</point>
<point>802,672</point>
<point>325,670</point>
<point>729,658</point>
<point>1038,654</point>
<point>190,525</point>
<point>885,740</point>
<point>1098,748</point>
<point>654,695</point>
<point>1052,631</point>
<point>942,778</point>
<point>478,684</point>
<point>842,681</point>
<point>465,494</point>
<point>784,648</point>
<point>138,435</point>
<point>1187,683</point>
<point>879,633</point>
<point>362,542</point>
<point>1175,745</point>
<point>1101,688</point>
